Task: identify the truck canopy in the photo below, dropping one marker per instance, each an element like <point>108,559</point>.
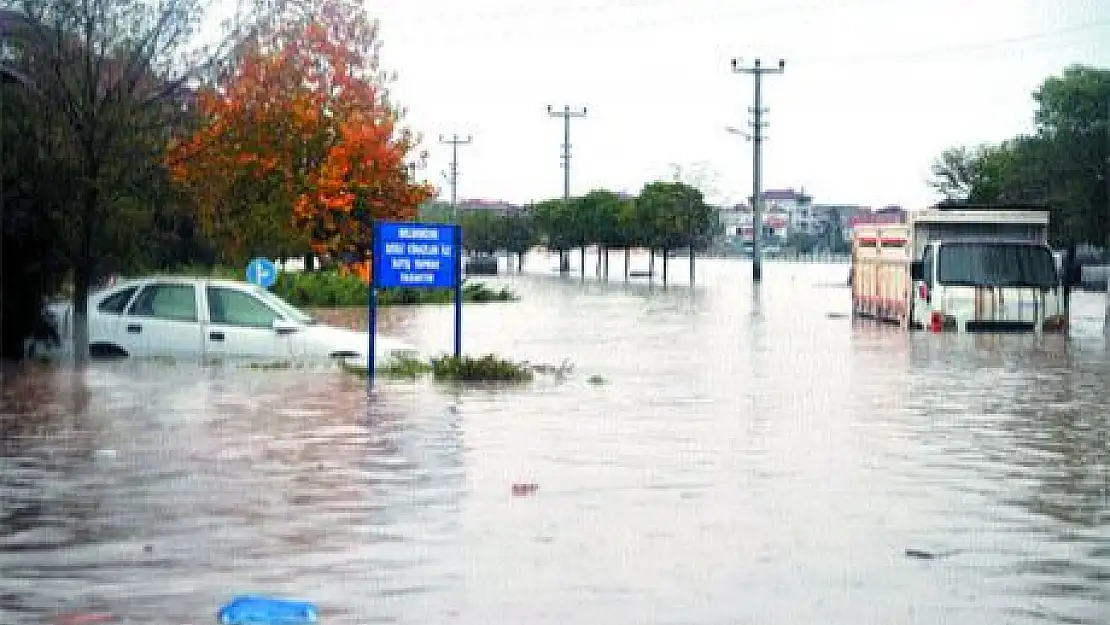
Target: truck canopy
<point>1030,226</point>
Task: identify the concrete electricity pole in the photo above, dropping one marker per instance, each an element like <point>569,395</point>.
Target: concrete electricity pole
<point>455,142</point>
<point>567,114</point>
<point>757,124</point>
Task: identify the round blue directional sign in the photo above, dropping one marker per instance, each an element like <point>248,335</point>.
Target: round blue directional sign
<point>263,272</point>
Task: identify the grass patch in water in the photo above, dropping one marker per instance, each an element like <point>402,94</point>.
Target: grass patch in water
<point>488,368</point>
<point>448,368</point>
<point>405,368</point>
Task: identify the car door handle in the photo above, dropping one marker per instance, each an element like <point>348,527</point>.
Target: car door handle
<point>216,336</point>
<point>134,328</point>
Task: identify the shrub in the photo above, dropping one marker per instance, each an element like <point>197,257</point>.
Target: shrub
<point>486,368</point>
<point>448,368</point>
<point>322,289</point>
<point>326,288</point>
<point>409,368</point>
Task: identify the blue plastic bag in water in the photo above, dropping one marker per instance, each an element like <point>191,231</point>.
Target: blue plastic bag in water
<point>255,610</point>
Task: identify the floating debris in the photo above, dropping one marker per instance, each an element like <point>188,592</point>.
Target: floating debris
<point>258,610</point>
<point>921,554</point>
<point>523,490</point>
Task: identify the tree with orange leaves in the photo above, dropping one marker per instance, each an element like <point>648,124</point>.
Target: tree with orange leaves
<point>299,145</point>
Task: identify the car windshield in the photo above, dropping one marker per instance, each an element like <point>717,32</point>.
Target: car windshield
<point>996,264</point>
<point>284,307</point>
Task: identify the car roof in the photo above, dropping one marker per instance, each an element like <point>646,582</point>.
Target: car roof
<point>200,281</point>
<point>138,280</point>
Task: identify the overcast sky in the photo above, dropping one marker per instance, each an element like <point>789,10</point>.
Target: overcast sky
<point>873,89</point>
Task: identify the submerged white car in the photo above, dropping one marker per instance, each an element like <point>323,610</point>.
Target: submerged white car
<point>212,319</point>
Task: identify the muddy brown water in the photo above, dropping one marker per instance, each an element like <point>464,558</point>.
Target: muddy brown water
<point>748,457</point>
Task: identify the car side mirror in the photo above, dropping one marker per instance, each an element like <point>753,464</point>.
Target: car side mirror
<point>284,326</point>
<point>917,270</point>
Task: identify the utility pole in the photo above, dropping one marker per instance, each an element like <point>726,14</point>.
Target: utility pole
<point>757,124</point>
<point>455,142</point>
<point>567,114</point>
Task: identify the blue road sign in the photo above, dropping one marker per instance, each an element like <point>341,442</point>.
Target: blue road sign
<point>416,255</point>
<point>263,272</point>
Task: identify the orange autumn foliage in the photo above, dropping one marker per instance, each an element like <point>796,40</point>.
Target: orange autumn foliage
<point>301,134</point>
<point>362,269</point>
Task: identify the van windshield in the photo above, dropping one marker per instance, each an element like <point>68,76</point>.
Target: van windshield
<point>996,264</point>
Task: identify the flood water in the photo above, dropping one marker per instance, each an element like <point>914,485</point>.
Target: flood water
<point>751,457</point>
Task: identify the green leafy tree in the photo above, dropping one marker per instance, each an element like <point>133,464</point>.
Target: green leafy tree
<point>435,211</point>
<point>482,231</point>
<point>1073,119</point>
<point>518,235</point>
<point>674,215</point>
<point>1065,164</point>
<point>598,213</point>
<point>557,225</point>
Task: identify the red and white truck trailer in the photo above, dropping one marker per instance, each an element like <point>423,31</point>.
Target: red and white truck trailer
<point>962,269</point>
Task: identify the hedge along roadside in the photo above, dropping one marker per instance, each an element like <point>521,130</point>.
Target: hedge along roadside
<point>330,289</point>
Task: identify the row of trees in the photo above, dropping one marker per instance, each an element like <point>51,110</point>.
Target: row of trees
<point>665,216</point>
<point>1064,164</point>
<point>126,143</point>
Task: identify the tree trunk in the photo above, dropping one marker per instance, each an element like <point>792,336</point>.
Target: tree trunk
<point>665,261</point>
<point>582,261</point>
<point>80,319</point>
<point>651,264</point>
<point>520,262</point>
<point>691,264</point>
<point>309,262</point>
<point>1069,262</point>
<point>627,261</point>
<point>1106,319</point>
<point>84,266</point>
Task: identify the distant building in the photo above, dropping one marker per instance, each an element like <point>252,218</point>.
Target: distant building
<point>736,226</point>
<point>732,219</point>
<point>837,218</point>
<point>795,206</point>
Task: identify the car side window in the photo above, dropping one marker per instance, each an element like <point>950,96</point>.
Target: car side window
<point>173,302</point>
<point>236,308</point>
<point>116,302</point>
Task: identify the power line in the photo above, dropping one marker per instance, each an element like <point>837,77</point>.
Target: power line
<point>542,12</point>
<point>757,70</point>
<point>932,52</point>
<point>645,16</point>
<point>455,142</point>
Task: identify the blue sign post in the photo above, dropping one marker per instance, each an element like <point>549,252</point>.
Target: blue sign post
<point>263,272</point>
<point>416,256</point>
